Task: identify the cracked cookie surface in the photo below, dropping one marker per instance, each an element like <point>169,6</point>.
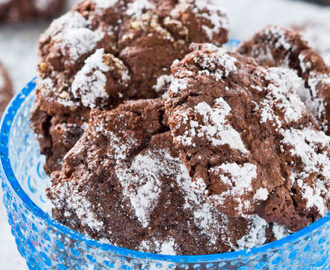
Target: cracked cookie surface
<point>125,171</point>
<point>281,47</point>
<point>248,141</point>
<point>102,53</point>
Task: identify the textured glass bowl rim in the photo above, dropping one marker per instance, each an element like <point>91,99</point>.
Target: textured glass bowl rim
<point>8,117</point>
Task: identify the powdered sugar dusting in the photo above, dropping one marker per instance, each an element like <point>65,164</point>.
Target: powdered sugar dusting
<point>282,95</point>
<point>90,82</point>
<point>238,180</point>
<point>178,85</point>
<point>165,247</point>
<point>136,8</point>
<point>77,203</point>
<point>216,16</point>
<point>261,194</point>
<point>311,147</point>
<point>304,65</point>
<point>72,35</point>
<point>213,126</point>
<point>211,63</point>
<point>313,99</point>
<point>105,3</point>
<point>162,82</point>
<point>210,221</point>
<point>256,235</point>
<point>141,183</point>
<point>279,34</point>
<point>279,231</point>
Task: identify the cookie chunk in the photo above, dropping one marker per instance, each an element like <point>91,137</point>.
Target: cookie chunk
<point>102,53</point>
<point>247,139</point>
<point>277,46</point>
<point>25,10</point>
<point>125,170</point>
<point>6,90</point>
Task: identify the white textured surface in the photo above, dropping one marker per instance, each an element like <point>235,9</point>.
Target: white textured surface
<point>18,51</point>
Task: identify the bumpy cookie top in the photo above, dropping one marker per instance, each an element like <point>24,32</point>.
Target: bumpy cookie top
<point>102,52</point>
<point>278,46</point>
<point>125,170</point>
<point>247,139</point>
<point>6,90</point>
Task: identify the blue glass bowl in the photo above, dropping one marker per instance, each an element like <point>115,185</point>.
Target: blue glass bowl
<point>47,244</point>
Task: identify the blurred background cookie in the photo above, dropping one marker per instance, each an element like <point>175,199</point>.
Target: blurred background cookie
<point>23,10</point>
<point>6,90</point>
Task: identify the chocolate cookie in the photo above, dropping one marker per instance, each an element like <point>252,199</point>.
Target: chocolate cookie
<point>24,10</point>
<point>6,89</point>
<point>277,46</point>
<point>248,141</point>
<point>100,54</point>
<point>125,170</point>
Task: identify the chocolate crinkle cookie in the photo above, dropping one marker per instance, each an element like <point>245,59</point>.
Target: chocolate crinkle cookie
<point>250,144</point>
<point>125,170</point>
<point>6,89</point>
<point>102,53</point>
<point>278,46</point>
<point>234,159</point>
<point>27,10</point>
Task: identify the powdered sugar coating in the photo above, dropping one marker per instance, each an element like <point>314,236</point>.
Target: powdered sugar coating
<point>261,194</point>
<point>283,95</point>
<point>79,204</point>
<point>105,3</point>
<point>163,82</point>
<point>279,34</point>
<point>257,234</point>
<point>216,17</point>
<point>214,126</point>
<point>166,247</point>
<point>213,16</point>
<point>72,34</point>
<point>89,83</point>
<point>311,147</point>
<point>141,184</point>
<point>146,180</point>
<point>278,46</point>
<point>279,231</point>
<point>238,182</point>
<point>136,8</point>
<point>219,57</point>
<point>262,106</point>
